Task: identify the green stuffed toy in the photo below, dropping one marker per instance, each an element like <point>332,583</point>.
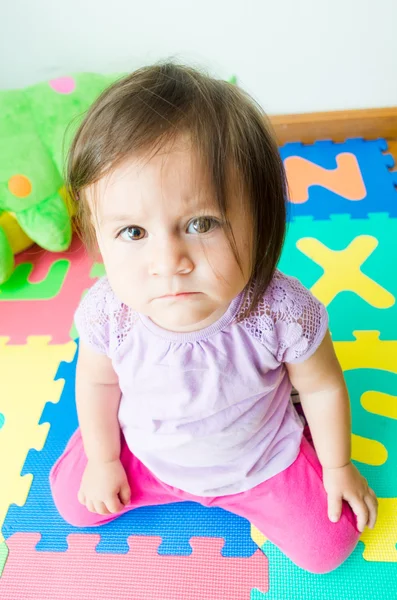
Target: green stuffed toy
<point>36,127</point>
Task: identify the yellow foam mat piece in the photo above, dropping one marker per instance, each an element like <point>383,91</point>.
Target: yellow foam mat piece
<point>342,271</point>
<point>367,352</point>
<point>370,452</point>
<point>367,450</point>
<point>257,536</point>
<point>26,385</point>
<point>380,542</point>
<point>380,403</point>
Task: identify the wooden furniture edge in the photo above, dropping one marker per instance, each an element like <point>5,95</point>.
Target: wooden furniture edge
<point>337,125</point>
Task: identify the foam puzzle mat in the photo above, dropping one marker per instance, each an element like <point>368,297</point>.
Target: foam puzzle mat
<point>341,243</point>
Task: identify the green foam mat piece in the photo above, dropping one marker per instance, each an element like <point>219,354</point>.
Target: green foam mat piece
<point>3,556</point>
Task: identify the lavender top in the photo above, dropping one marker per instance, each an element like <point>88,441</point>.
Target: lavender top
<point>209,411</point>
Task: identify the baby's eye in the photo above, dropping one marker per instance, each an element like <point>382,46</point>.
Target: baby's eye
<point>202,225</point>
<point>133,233</point>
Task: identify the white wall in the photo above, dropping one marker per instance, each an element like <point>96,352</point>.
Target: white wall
<point>292,55</point>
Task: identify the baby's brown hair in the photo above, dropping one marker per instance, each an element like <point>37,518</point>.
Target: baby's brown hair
<point>148,109</point>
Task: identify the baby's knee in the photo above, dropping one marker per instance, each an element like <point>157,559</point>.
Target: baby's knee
<point>70,509</point>
<point>77,516</point>
<point>66,506</point>
<point>324,565</point>
<point>64,491</point>
<point>332,555</point>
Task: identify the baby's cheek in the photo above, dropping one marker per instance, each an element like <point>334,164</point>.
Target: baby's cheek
<point>127,279</point>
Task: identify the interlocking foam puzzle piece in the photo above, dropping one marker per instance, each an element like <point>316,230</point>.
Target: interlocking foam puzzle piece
<point>380,542</point>
<point>175,523</point>
<point>22,399</point>
<point>323,269</point>
<point>141,574</point>
<point>3,556</point>
<point>327,193</point>
<point>370,426</point>
<point>367,352</point>
<point>42,315</point>
<point>356,579</point>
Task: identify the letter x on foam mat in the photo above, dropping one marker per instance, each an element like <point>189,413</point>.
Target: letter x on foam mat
<point>341,244</point>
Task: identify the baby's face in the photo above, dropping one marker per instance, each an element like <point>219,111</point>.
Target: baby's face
<point>158,231</point>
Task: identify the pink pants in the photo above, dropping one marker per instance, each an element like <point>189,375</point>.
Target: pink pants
<point>290,509</point>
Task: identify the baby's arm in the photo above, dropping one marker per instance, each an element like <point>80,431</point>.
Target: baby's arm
<point>325,402</point>
<point>104,488</point>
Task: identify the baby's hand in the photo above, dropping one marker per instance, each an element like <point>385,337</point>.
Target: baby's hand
<point>346,483</point>
<point>104,487</point>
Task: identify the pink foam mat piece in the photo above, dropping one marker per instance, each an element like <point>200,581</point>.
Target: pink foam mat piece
<point>141,574</point>
<point>54,316</point>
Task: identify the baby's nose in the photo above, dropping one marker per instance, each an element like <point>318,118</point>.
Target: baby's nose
<point>170,257</point>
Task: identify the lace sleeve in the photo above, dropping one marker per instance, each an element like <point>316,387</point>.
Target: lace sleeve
<point>289,320</point>
<point>103,321</point>
<point>92,317</point>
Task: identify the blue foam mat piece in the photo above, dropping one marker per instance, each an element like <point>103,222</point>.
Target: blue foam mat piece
<point>379,181</point>
<point>175,523</point>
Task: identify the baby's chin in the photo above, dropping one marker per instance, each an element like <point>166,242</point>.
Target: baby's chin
<point>183,319</point>
<point>180,316</point>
